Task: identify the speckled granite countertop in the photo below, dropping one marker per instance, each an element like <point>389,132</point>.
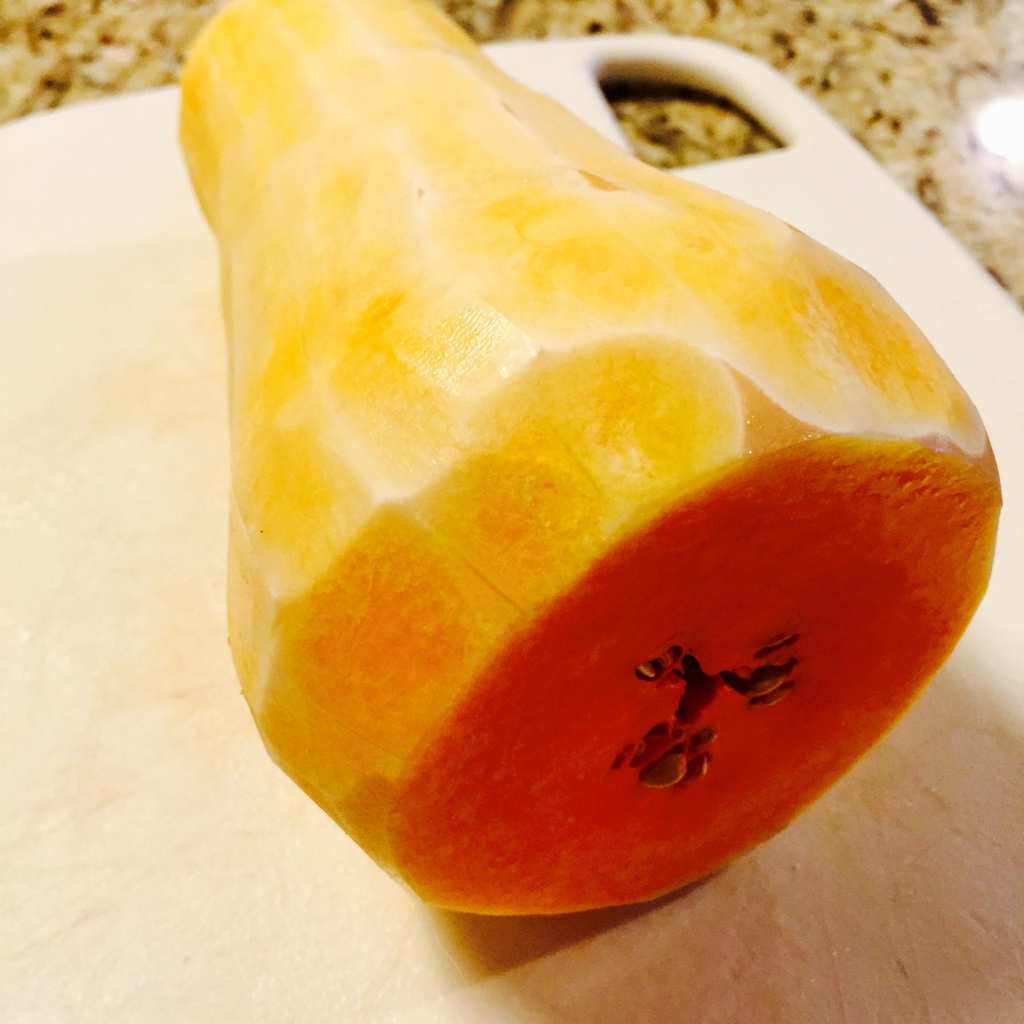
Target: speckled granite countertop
<point>906,77</point>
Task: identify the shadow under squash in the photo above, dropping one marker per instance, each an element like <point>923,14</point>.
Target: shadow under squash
<point>493,945</point>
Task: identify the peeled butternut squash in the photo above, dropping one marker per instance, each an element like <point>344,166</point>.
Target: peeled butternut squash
<point>586,524</point>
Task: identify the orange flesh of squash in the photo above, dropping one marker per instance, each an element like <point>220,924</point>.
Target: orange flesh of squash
<point>585,524</point>
<point>871,555</point>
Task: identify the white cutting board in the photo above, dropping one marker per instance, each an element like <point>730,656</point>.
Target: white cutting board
<point>154,865</point>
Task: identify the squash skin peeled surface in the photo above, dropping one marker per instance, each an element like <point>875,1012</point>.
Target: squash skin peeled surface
<point>552,475</point>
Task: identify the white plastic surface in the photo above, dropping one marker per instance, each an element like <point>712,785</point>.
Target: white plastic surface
<point>154,865</point>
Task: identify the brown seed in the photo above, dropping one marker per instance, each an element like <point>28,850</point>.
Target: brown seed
<point>623,756</point>
<point>678,731</point>
<point>660,729</point>
<point>702,738</point>
<point>768,684</point>
<point>766,700</point>
<point>735,681</point>
<point>655,740</point>
<point>776,644</point>
<point>765,672</point>
<point>697,767</point>
<point>666,771</point>
<point>650,670</point>
<point>673,654</point>
<point>638,755</point>
<point>764,679</point>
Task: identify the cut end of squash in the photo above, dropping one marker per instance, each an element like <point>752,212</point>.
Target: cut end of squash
<point>702,684</point>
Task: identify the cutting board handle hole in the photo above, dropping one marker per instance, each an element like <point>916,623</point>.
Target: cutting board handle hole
<point>672,117</point>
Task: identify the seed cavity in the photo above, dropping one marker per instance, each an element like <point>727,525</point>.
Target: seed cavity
<point>691,670</point>
<point>674,752</point>
<point>699,693</point>
<point>766,700</point>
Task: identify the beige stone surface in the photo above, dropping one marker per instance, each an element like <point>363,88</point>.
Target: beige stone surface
<point>905,77</point>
